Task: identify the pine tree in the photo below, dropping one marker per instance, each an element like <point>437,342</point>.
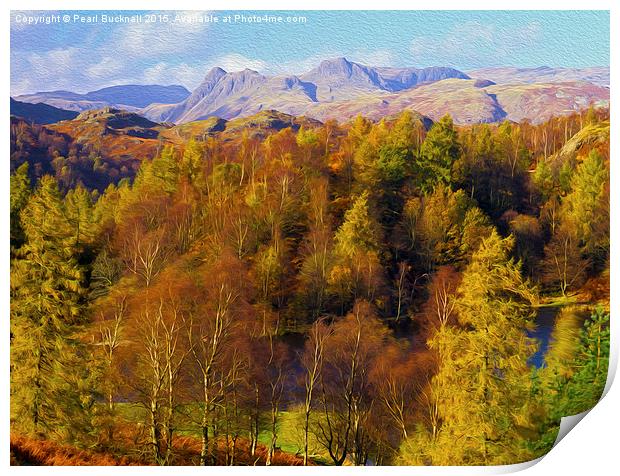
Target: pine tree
<point>482,385</point>
<point>79,212</point>
<point>576,372</point>
<point>191,165</point>
<point>160,174</point>
<point>356,270</point>
<point>438,153</point>
<point>359,231</point>
<point>587,204</point>
<point>20,192</point>
<point>46,292</point>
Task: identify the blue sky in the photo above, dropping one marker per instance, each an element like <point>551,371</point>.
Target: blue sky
<point>83,57</point>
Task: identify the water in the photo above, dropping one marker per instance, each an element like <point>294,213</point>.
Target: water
<point>545,321</point>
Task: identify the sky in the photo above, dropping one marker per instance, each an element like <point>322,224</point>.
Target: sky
<point>173,48</point>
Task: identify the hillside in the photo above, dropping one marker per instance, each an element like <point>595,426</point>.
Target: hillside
<point>340,89</point>
<point>95,148</point>
<point>40,113</point>
<point>543,74</point>
<point>131,96</point>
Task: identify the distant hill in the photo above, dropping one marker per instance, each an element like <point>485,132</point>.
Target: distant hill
<point>131,97</point>
<point>247,92</point>
<point>40,113</point>
<point>103,146</point>
<point>543,74</point>
<point>341,89</point>
<point>258,125</point>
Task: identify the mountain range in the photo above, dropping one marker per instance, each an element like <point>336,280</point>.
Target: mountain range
<point>131,97</point>
<point>340,89</point>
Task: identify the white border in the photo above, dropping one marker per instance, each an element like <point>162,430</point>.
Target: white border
<point>591,449</point>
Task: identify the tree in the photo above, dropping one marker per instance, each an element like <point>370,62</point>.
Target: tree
<point>359,231</point>
<point>587,206</point>
<point>47,300</point>
<point>443,227</point>
<point>214,327</point>
<point>356,271</point>
<point>160,350</point>
<point>144,252</point>
<point>576,372</point>
<point>20,192</point>
<point>312,362</point>
<point>345,388</point>
<point>79,210</point>
<point>165,170</point>
<point>191,165</point>
<point>563,263</point>
<point>528,241</point>
<point>437,155</point>
<point>316,252</point>
<point>482,383</point>
<point>590,365</point>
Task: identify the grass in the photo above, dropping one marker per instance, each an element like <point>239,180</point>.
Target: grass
<point>33,452</point>
<point>558,301</point>
<point>289,427</point>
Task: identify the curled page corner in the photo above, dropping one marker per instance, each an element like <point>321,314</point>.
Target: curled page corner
<point>567,423</point>
<point>515,468</point>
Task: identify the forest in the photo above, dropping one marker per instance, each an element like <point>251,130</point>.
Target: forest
<point>361,293</point>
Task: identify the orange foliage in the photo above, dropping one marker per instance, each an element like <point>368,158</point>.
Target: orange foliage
<point>32,452</point>
<point>27,451</point>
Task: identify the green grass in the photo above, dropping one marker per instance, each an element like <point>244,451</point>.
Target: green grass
<point>558,301</point>
<point>289,427</point>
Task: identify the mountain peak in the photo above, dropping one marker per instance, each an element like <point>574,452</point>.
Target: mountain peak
<point>335,65</point>
<point>215,74</point>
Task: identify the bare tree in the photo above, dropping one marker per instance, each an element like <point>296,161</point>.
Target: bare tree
<point>312,361</point>
<point>145,253</point>
<point>209,337</point>
<point>401,287</point>
<point>109,339</point>
<point>563,264</point>
<point>346,395</point>
<point>161,332</point>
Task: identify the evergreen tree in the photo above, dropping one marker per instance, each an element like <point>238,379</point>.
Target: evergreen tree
<point>191,165</point>
<point>20,192</point>
<point>575,374</point>
<point>586,206</point>
<point>356,270</point>
<point>359,231</point>
<point>79,212</point>
<point>482,385</point>
<point>46,292</point>
<point>437,155</point>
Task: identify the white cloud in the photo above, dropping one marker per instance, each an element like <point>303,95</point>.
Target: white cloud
<point>163,73</point>
<point>154,39</point>
<point>373,58</point>
<point>191,76</point>
<point>472,44</point>
<point>42,71</point>
<point>105,68</point>
<point>237,62</point>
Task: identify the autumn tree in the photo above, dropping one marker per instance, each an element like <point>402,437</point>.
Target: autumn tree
<point>438,153</point>
<point>47,301</point>
<point>161,348</point>
<point>357,270</point>
<point>20,192</point>
<point>587,206</point>
<point>564,266</point>
<point>312,363</point>
<point>215,325</point>
<point>483,378</point>
<point>345,395</point>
